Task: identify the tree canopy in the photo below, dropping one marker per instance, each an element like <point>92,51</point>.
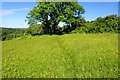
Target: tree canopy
<point>50,14</point>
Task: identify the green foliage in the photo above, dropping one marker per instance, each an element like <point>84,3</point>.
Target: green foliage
<point>101,25</point>
<point>50,14</point>
<point>79,25</point>
<point>81,29</point>
<point>66,56</point>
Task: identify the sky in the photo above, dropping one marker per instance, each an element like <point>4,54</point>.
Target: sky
<point>94,10</point>
<point>60,0</point>
<point>14,14</point>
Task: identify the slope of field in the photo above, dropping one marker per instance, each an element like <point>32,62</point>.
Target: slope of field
<point>66,56</point>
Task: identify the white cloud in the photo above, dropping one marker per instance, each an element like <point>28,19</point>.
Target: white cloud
<point>12,11</point>
<point>61,24</point>
<point>20,9</point>
<point>6,12</point>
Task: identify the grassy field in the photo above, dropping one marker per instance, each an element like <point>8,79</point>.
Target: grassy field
<point>65,56</point>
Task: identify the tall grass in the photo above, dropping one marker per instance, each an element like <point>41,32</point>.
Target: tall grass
<point>66,56</point>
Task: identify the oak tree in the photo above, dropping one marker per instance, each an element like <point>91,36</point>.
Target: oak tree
<point>50,14</point>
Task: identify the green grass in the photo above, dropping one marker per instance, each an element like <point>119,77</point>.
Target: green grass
<point>66,56</point>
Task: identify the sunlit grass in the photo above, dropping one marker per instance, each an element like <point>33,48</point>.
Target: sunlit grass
<point>66,56</point>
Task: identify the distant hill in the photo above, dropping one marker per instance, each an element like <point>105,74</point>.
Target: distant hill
<point>9,33</point>
<point>11,30</point>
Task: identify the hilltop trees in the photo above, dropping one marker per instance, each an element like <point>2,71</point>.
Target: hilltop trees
<point>50,14</point>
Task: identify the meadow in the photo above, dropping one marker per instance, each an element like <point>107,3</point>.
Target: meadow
<point>61,56</point>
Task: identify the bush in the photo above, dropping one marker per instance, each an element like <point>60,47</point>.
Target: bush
<point>35,30</point>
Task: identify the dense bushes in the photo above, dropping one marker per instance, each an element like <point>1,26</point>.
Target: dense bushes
<point>100,25</point>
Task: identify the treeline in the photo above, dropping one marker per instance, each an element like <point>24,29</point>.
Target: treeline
<point>100,25</point>
<point>10,33</point>
<point>106,24</point>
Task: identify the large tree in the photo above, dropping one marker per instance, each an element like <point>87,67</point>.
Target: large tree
<point>50,14</point>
